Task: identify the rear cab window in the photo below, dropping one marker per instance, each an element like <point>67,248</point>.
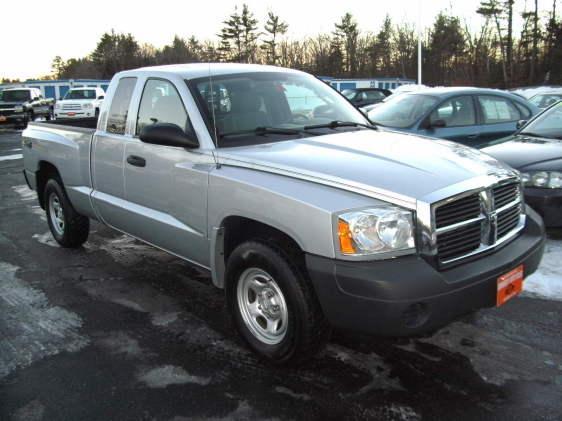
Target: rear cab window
<point>117,119</point>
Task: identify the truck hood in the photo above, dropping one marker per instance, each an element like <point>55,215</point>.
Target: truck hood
<point>385,163</point>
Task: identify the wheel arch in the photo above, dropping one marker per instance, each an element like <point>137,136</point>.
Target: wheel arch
<point>46,170</point>
<point>235,229</point>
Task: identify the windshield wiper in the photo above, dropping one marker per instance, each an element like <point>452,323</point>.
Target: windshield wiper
<point>336,123</point>
<point>531,134</point>
<point>262,131</point>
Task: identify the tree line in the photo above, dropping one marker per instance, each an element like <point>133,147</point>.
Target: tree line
<point>494,55</point>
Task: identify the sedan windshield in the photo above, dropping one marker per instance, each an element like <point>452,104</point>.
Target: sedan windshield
<point>545,100</point>
<point>16,95</point>
<point>548,124</point>
<point>81,94</point>
<point>259,107</point>
<point>402,110</point>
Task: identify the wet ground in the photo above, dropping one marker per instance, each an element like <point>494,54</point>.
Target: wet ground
<point>118,330</point>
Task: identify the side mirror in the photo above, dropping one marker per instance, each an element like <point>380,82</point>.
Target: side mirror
<point>168,134</point>
<point>101,97</point>
<point>520,124</point>
<point>437,124</point>
<point>60,98</point>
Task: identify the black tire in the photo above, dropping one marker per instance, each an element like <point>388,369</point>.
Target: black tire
<point>49,115</point>
<point>307,329</point>
<point>97,113</point>
<point>76,227</point>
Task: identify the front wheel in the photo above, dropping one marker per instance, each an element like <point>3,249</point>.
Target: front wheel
<point>69,228</point>
<point>274,306</point>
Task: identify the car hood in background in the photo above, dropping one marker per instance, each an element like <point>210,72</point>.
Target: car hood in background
<point>520,151</point>
<point>386,163</point>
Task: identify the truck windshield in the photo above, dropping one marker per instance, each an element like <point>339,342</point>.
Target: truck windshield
<point>16,96</point>
<point>81,94</point>
<point>240,106</point>
<point>402,111</point>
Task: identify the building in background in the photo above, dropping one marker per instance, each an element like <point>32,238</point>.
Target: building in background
<point>58,88</point>
<point>379,82</point>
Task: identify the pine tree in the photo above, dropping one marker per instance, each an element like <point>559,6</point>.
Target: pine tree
<point>273,27</point>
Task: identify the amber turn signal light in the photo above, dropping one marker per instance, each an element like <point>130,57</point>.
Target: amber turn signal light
<point>344,235</point>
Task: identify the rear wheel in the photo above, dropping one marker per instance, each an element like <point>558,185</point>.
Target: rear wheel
<point>69,228</point>
<point>274,306</point>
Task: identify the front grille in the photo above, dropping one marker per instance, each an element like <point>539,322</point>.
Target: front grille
<point>456,243</point>
<point>508,220</point>
<point>505,194</point>
<point>2,106</point>
<point>7,112</point>
<point>457,211</point>
<point>476,222</point>
<point>71,107</point>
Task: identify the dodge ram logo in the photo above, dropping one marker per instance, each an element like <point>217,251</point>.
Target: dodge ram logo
<point>490,223</point>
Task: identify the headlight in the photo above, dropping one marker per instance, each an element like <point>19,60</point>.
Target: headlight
<point>375,230</point>
<point>88,105</point>
<point>18,109</point>
<point>544,179</point>
<point>57,106</point>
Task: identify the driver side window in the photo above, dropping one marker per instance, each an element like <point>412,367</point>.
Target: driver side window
<point>455,112</point>
<point>161,103</point>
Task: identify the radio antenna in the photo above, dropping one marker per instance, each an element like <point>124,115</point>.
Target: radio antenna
<point>216,151</point>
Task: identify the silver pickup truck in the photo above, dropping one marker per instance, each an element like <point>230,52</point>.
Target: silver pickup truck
<point>305,214</point>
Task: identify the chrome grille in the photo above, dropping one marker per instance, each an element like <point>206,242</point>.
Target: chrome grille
<point>71,107</point>
<point>505,194</point>
<point>457,211</point>
<point>478,221</point>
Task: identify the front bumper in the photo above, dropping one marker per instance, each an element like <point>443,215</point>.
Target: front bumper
<point>13,119</point>
<point>90,112</point>
<point>548,203</point>
<point>407,296</point>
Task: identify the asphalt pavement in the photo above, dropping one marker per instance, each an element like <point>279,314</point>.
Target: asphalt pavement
<point>118,330</point>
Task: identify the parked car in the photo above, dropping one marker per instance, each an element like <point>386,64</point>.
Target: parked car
<point>18,106</point>
<point>361,97</point>
<point>536,151</point>
<point>470,116</point>
<point>546,99</point>
<point>305,222</point>
<point>528,92</point>
<point>79,103</point>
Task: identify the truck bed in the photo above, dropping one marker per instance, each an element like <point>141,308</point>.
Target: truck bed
<point>86,122</point>
<point>64,144</point>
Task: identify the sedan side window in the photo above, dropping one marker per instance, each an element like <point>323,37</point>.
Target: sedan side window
<point>455,112</point>
<point>496,109</point>
<point>161,103</point>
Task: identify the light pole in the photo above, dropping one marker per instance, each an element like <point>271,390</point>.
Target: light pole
<point>419,42</point>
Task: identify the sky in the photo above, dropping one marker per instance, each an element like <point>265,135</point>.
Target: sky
<point>72,29</point>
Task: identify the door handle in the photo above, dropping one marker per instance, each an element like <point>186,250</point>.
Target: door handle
<point>137,161</point>
<point>472,136</point>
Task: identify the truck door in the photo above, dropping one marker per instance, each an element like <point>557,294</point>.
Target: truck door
<point>165,186</point>
<point>107,157</point>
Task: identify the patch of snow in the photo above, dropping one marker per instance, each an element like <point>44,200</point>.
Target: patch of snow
<point>161,377</point>
<point>46,239</point>
<point>286,391</point>
<point>11,157</point>
<point>32,329</point>
<point>24,192</point>
<point>546,282</point>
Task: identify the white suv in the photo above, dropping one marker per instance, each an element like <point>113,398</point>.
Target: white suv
<point>80,102</point>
